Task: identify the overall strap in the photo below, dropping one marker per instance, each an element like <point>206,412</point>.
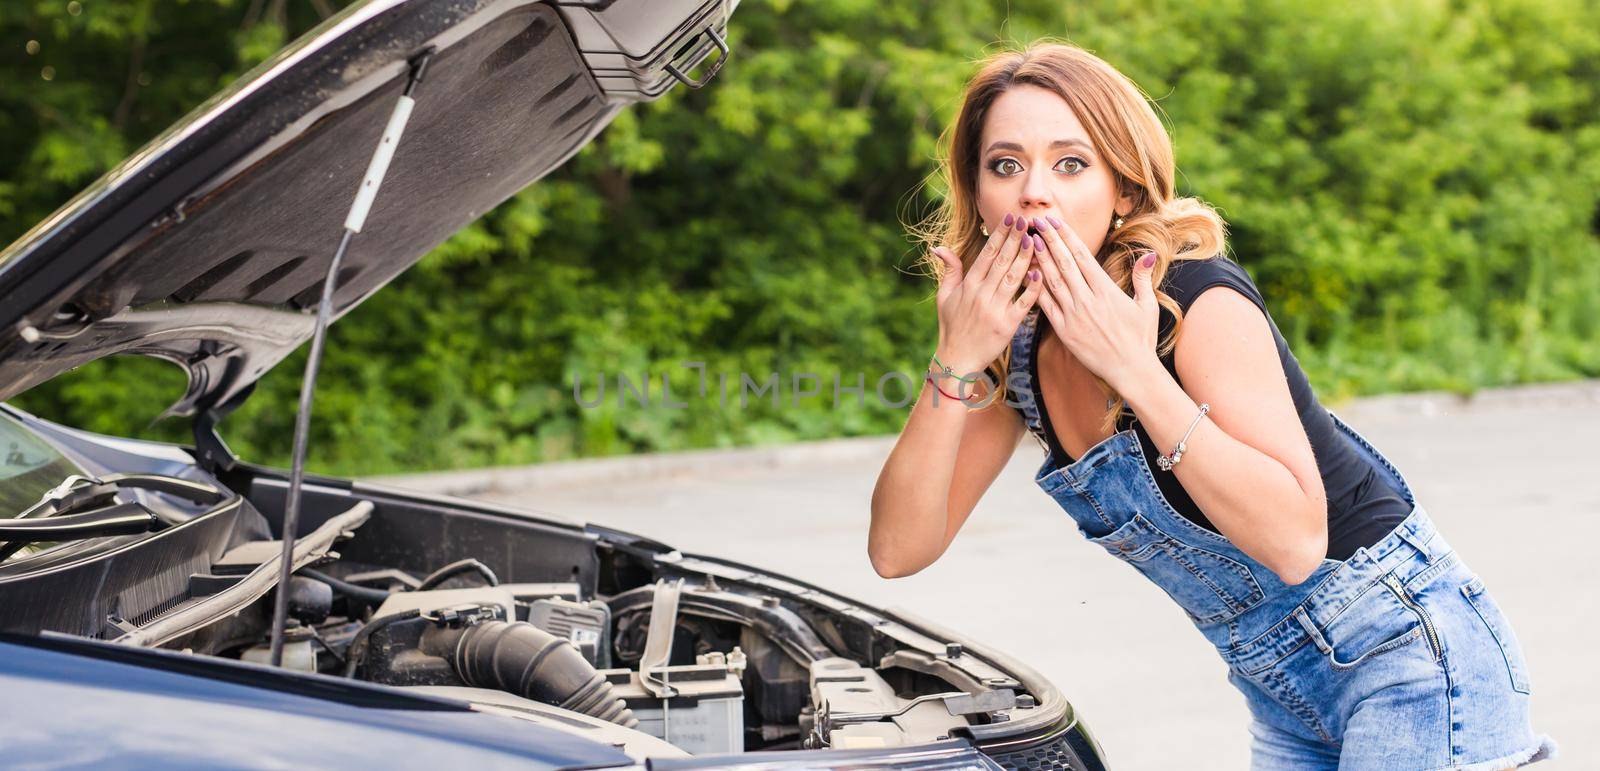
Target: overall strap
<point>1019,375</point>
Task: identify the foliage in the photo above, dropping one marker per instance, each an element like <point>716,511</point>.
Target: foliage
<point>1416,187</point>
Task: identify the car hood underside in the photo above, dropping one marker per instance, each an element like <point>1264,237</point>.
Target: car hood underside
<point>209,247</point>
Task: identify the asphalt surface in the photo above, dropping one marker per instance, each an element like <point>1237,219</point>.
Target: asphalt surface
<point>1510,477</point>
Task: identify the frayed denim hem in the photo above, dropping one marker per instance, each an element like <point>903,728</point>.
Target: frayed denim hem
<point>1544,749</point>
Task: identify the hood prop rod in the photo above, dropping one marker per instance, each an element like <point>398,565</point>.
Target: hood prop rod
<point>370,182</point>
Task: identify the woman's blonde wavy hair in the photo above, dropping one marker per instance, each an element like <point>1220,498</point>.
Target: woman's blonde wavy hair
<point>1126,133</point>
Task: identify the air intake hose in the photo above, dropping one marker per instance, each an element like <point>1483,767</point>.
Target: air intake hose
<point>520,658</point>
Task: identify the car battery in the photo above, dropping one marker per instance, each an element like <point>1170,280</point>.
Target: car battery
<point>637,48</point>
<point>706,714</point>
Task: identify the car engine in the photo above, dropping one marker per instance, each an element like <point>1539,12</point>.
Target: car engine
<point>593,631</point>
<point>699,667</point>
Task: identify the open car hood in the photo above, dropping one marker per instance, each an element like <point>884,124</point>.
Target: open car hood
<point>209,246</point>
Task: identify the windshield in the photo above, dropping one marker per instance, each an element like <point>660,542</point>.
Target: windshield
<point>28,469</point>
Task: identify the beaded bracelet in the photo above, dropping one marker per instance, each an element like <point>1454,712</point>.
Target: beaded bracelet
<point>1166,462</point>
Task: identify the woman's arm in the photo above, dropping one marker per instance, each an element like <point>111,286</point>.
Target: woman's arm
<point>943,462</point>
<point>946,455</point>
<point>1248,465</point>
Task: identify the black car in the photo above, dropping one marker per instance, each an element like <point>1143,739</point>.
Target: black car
<point>138,580</point>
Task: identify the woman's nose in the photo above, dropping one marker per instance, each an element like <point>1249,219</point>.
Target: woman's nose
<point>1035,194</point>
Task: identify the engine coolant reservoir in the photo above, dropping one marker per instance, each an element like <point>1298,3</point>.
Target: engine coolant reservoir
<point>299,653</point>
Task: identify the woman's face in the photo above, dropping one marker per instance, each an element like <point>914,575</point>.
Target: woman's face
<point>1035,159</point>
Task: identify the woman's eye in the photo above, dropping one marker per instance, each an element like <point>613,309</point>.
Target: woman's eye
<point>1006,167</point>
<point>1002,166</point>
<point>1078,162</point>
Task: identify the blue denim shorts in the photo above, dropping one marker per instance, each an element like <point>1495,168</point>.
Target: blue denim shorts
<point>1398,659</point>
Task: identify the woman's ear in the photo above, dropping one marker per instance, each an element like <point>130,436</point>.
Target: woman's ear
<point>1131,194</point>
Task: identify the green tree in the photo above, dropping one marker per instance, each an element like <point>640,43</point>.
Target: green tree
<point>1415,189</point>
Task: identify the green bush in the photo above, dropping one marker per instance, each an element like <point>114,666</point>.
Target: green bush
<point>1414,187</point>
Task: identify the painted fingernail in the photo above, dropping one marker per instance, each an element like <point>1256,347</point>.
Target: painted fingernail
<point>1038,242</point>
<point>1033,275</point>
<point>1009,218</point>
<point>1022,223</point>
<point>1038,224</point>
<point>1055,222</point>
<point>1027,243</point>
<point>1149,260</point>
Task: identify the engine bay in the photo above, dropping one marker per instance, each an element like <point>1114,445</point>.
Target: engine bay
<point>595,632</point>
<point>671,667</point>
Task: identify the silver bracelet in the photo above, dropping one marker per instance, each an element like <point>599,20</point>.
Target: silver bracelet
<point>1166,462</point>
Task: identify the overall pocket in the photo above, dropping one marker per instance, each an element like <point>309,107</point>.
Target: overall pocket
<point>1382,620</point>
<point>1489,611</point>
<point>1209,586</point>
<point>1351,654</point>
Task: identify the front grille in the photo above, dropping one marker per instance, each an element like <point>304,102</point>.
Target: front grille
<point>1056,755</point>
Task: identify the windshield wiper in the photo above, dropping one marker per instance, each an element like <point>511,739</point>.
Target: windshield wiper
<point>85,507</point>
<point>118,519</point>
<point>79,493</point>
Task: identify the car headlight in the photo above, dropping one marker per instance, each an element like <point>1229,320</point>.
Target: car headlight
<point>952,755</point>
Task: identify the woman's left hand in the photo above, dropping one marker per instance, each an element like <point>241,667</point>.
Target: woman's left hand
<point>1112,334</point>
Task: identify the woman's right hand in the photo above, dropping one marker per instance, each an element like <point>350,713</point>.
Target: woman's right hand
<point>945,459</point>
<point>977,315</point>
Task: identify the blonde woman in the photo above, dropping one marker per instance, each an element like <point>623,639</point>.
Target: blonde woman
<point>1081,301</point>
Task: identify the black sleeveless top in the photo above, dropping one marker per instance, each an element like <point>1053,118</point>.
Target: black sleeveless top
<point>1362,506</point>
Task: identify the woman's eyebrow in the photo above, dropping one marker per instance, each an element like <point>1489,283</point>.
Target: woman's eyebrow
<point>1016,148</point>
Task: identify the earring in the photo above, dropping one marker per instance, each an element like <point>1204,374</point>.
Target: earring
<point>984,229</point>
<point>1116,223</point>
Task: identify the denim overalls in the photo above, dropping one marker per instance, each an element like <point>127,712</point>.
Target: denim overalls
<point>1394,658</point>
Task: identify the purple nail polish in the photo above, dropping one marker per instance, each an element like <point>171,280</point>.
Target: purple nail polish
<point>1038,224</point>
<point>1149,260</point>
<point>1008,220</point>
<point>1033,275</point>
<point>1055,222</point>
<point>1038,243</point>
<point>1027,243</point>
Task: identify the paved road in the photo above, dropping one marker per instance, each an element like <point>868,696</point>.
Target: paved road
<point>1512,478</point>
